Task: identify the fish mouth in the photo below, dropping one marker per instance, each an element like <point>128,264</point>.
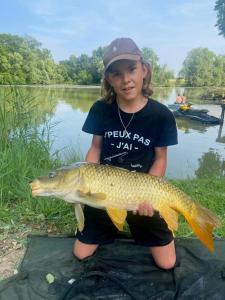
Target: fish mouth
<point>35,188</point>
<point>39,190</point>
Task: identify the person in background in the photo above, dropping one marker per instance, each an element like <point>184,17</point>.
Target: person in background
<point>184,99</point>
<point>132,131</point>
<point>178,99</point>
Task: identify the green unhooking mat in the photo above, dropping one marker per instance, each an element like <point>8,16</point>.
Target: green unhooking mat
<point>119,271</point>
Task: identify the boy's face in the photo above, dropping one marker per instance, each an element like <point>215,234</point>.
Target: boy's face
<point>126,78</point>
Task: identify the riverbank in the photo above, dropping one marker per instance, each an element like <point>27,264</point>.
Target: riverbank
<point>72,86</point>
<point>25,149</point>
<point>55,217</point>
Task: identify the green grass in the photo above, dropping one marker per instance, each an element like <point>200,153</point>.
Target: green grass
<point>25,154</point>
<point>210,193</point>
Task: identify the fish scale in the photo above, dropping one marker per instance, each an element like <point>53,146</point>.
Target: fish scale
<point>140,187</point>
<point>118,191</point>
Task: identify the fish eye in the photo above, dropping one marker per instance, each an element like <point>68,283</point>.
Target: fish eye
<point>52,174</point>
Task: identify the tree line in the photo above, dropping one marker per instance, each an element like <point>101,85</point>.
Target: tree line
<point>24,61</point>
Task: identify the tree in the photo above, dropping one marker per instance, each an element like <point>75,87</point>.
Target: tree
<point>84,77</point>
<point>96,65</point>
<point>203,67</point>
<point>151,57</point>
<point>211,164</point>
<point>160,74</point>
<point>23,61</point>
<point>220,9</point>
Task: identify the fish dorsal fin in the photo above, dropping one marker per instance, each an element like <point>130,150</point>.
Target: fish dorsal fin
<point>170,216</point>
<point>79,216</point>
<point>118,216</point>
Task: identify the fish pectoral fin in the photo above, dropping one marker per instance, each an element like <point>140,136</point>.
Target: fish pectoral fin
<point>81,193</point>
<point>98,196</point>
<point>118,216</point>
<point>86,193</point>
<point>79,216</point>
<point>170,216</point>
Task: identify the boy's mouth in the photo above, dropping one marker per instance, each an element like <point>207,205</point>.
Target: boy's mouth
<point>127,89</point>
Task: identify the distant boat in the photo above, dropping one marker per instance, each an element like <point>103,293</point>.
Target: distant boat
<point>174,106</point>
<point>197,115</point>
<point>185,107</point>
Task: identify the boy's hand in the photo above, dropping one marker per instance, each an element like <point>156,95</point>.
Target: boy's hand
<point>145,209</point>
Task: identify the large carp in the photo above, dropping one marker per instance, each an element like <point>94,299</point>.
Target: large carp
<point>118,190</point>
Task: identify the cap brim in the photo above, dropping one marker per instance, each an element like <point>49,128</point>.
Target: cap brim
<point>127,56</point>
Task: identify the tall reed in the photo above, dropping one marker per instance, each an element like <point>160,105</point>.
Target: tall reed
<point>24,148</point>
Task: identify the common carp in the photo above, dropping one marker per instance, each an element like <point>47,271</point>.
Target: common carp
<point>118,190</point>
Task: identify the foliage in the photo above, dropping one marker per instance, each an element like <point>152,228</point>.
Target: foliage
<point>24,150</point>
<point>220,9</point>
<point>161,75</point>
<point>25,153</point>
<point>23,61</point>
<point>210,163</point>
<point>203,67</point>
<point>210,193</point>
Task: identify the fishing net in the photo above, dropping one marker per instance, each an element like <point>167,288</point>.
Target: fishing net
<point>120,271</point>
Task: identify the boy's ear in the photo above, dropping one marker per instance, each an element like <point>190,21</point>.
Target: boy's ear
<point>145,70</point>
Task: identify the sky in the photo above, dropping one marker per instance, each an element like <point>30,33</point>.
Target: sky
<point>171,28</point>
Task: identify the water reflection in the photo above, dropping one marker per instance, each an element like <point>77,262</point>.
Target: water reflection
<point>221,137</point>
<point>162,94</point>
<point>210,164</point>
<point>187,125</point>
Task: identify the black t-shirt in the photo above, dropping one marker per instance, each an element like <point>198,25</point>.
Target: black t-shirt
<point>152,126</point>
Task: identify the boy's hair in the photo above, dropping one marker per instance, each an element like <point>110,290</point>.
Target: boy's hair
<point>109,95</point>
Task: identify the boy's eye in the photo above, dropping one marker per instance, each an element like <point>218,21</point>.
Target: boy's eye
<point>115,74</point>
<point>132,68</point>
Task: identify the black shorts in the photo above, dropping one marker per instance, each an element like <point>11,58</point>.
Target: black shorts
<point>146,231</point>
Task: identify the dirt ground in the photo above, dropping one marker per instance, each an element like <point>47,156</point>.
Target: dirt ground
<point>13,247</point>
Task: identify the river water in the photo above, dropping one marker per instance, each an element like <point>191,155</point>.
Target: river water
<point>200,151</point>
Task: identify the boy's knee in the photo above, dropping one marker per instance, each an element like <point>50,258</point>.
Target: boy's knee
<point>79,255</point>
<point>164,256</point>
<point>167,264</point>
<point>81,250</point>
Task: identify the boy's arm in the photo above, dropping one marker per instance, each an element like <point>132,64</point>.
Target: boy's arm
<point>159,166</point>
<point>94,152</point>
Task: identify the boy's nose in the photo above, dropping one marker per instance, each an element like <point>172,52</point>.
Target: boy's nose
<point>126,77</point>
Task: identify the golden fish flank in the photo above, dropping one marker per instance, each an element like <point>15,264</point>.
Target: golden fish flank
<point>118,191</point>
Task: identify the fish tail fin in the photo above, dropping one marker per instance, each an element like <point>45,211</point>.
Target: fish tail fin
<point>202,222</point>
